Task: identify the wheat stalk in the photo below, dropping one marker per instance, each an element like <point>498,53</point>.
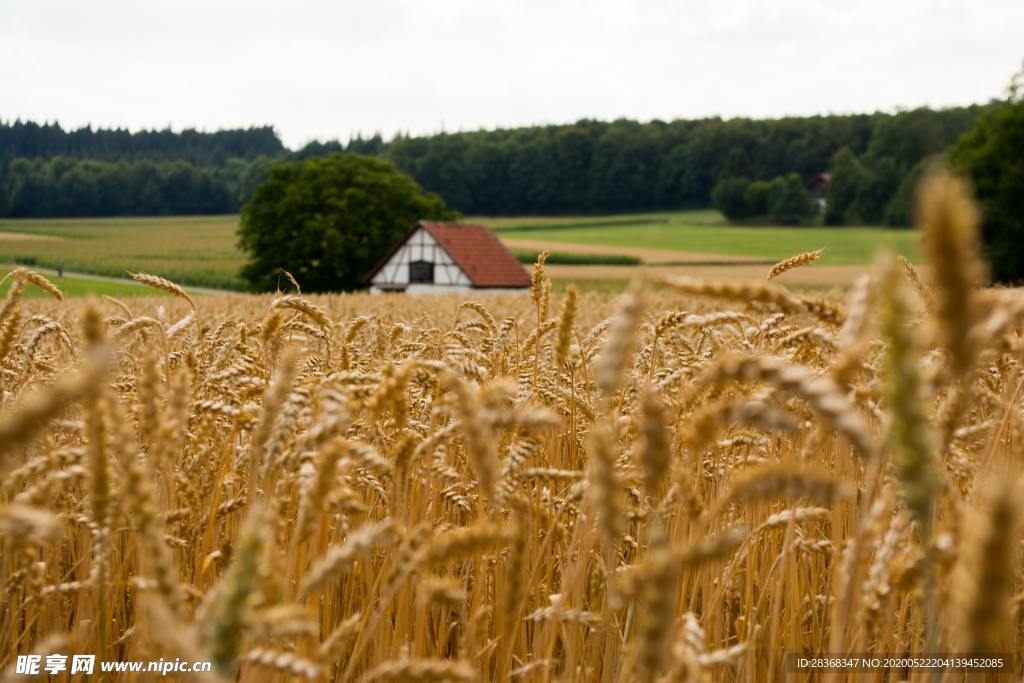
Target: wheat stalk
<point>798,261</point>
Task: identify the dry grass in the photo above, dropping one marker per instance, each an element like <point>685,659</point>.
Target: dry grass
<point>676,485</point>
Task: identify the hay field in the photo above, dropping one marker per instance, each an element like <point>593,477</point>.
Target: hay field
<point>192,250</point>
<point>673,485</point>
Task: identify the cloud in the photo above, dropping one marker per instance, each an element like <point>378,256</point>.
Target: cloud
<point>331,69</point>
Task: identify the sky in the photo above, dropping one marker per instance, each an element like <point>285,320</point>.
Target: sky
<point>317,69</point>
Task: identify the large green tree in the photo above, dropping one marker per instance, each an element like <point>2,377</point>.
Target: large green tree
<point>847,175</point>
<point>788,201</point>
<point>992,156</point>
<point>730,197</point>
<point>328,220</point>
<point>899,212</point>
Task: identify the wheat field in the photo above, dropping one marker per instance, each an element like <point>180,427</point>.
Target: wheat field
<point>679,484</point>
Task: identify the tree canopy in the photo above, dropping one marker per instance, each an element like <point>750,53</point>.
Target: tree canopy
<point>32,140</point>
<point>329,220</point>
<point>992,155</point>
<point>783,201</point>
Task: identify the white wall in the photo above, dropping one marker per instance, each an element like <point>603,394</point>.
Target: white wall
<point>448,289</point>
<point>420,288</point>
<point>421,246</point>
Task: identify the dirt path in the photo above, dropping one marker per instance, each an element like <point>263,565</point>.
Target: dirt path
<point>52,274</point>
<point>28,237</point>
<point>649,256</point>
<point>818,276</point>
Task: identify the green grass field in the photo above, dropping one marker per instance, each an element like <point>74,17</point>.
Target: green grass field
<point>706,231</point>
<point>201,250</point>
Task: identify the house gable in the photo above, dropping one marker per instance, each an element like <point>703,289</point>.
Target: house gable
<point>419,246</point>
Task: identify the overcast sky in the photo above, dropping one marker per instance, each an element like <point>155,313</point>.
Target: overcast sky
<point>329,69</point>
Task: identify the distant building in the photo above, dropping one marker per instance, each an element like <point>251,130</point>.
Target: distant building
<point>448,257</point>
<point>817,187</point>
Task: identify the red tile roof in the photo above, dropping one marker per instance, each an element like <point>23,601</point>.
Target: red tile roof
<point>479,253</point>
<point>476,250</point>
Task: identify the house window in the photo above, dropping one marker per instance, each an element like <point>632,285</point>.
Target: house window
<point>421,271</point>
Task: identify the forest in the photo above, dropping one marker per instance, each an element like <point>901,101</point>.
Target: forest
<point>587,167</point>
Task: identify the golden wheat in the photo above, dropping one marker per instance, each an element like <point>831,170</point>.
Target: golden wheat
<point>798,261</point>
<point>347,488</point>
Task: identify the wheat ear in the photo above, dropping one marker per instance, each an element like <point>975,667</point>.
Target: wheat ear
<point>798,261</point>
<point>157,282</point>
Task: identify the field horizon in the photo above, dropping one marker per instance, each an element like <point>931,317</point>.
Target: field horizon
<point>201,251</point>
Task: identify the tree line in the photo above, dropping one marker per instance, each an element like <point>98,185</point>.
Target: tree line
<point>47,171</point>
<point>585,167</point>
<point>65,186</point>
<point>32,140</point>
